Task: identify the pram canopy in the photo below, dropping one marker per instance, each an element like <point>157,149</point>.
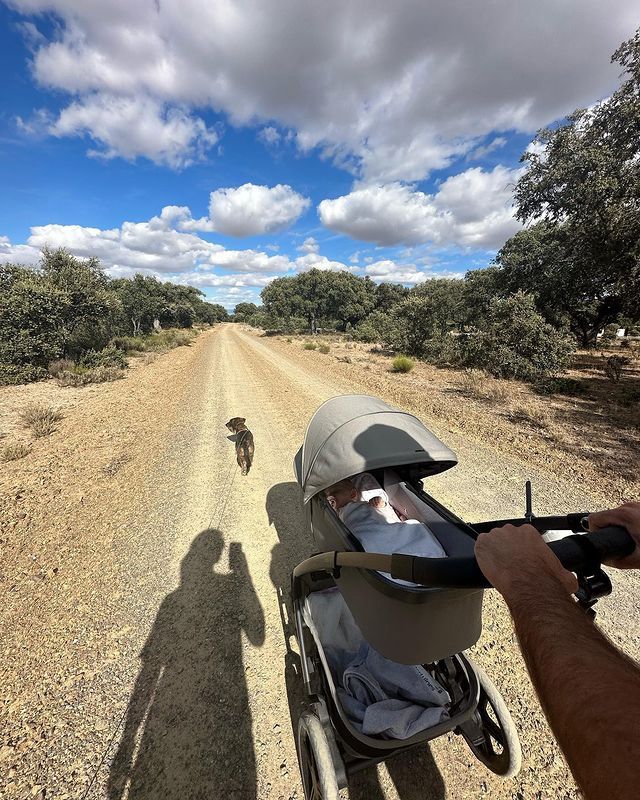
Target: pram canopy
<point>357,433</point>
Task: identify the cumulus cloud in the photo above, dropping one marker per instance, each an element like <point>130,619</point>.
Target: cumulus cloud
<point>137,126</point>
<point>316,261</point>
<point>250,210</point>
<point>471,209</point>
<point>309,246</point>
<point>155,247</point>
<point>387,91</point>
<point>388,271</point>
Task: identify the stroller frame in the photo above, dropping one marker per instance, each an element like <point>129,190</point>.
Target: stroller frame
<point>477,711</point>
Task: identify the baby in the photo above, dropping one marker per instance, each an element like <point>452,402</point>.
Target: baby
<point>369,522</point>
<point>344,492</point>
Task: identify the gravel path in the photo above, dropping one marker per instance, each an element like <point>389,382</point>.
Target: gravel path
<point>143,628</point>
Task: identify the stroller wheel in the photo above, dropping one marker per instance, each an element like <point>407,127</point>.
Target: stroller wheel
<point>491,733</point>
<point>316,764</point>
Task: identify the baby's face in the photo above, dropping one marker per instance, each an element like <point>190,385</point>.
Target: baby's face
<point>340,496</point>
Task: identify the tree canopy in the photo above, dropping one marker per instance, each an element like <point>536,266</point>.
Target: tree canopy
<point>581,191</point>
<point>319,295</point>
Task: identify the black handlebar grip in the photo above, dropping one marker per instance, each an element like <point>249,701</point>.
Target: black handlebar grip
<point>584,551</point>
<point>578,553</point>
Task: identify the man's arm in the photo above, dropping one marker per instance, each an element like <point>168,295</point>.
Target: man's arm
<point>589,691</point>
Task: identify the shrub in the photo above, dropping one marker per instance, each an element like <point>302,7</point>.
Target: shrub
<point>402,364</point>
<point>378,327</point>
<point>14,451</point>
<point>516,342</point>
<point>166,340</point>
<point>324,348</point>
<point>309,346</point>
<point>60,365</point>
<point>13,374</point>
<point>41,420</point>
<point>81,376</point>
<point>614,366</point>
<point>110,356</point>
<point>289,340</point>
<point>130,344</point>
<point>568,386</point>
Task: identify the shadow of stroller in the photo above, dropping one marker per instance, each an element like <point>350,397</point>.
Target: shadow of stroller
<point>414,773</point>
<point>188,726</point>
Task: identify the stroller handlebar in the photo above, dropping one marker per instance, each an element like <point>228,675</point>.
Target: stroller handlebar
<point>580,553</point>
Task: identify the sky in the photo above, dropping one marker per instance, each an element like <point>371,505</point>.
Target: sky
<point>223,144</point>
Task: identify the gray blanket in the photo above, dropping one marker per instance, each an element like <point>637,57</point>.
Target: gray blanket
<point>380,697</point>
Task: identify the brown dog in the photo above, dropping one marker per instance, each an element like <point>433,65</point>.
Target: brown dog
<point>244,443</point>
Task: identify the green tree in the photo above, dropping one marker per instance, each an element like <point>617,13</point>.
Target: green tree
<point>514,341</point>
<point>245,310</point>
<point>141,300</point>
<point>548,262</point>
<point>210,312</point>
<point>425,320</point>
<point>583,182</point>
<point>32,317</point>
<point>319,295</point>
<point>90,308</point>
<point>389,295</point>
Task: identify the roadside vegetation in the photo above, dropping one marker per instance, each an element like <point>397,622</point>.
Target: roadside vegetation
<point>69,319</point>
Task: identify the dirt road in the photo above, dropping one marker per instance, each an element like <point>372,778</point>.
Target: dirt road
<point>143,652</point>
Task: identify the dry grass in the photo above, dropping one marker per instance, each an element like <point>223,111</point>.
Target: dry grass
<point>478,386</point>
<point>80,376</point>
<point>14,451</point>
<point>56,368</point>
<point>41,420</point>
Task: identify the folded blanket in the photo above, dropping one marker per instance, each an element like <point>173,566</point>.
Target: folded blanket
<point>379,696</point>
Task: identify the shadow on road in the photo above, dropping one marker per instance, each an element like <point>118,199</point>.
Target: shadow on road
<point>414,774</point>
<point>188,726</point>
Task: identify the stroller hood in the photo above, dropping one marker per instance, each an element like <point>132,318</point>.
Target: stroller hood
<point>356,433</point>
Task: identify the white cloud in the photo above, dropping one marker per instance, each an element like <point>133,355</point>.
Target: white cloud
<point>316,261</point>
<point>270,135</point>
<point>389,272</point>
<point>310,245</point>
<point>484,150</point>
<point>390,91</point>
<point>137,126</point>
<point>18,253</point>
<point>471,209</point>
<point>250,210</point>
<point>155,247</point>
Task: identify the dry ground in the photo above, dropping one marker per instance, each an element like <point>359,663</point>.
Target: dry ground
<point>142,637</point>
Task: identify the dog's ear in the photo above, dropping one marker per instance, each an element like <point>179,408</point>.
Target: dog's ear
<point>241,420</point>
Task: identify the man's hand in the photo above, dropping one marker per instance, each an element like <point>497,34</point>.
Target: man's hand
<point>517,559</point>
<point>628,516</point>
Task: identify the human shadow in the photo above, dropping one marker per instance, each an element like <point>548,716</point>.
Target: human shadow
<point>188,723</point>
<point>285,513</point>
<point>414,773</point>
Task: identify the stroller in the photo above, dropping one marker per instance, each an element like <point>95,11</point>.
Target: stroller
<point>412,610</point>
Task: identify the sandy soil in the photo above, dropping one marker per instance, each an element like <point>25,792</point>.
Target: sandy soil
<point>142,577</point>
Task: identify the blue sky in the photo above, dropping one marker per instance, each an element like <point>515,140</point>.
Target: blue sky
<point>379,138</point>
